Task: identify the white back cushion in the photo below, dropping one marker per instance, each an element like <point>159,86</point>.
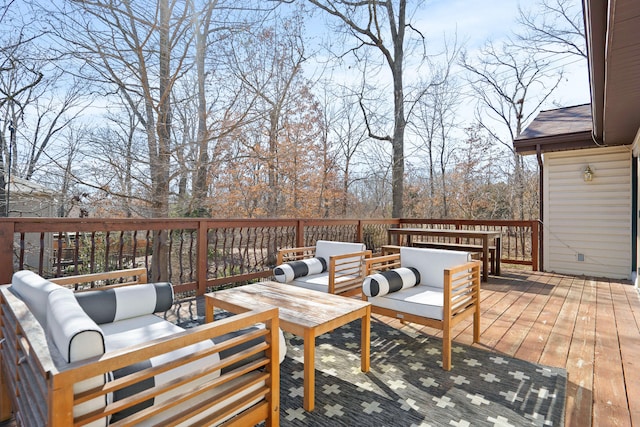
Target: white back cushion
<point>34,291</point>
<point>326,248</point>
<point>431,263</point>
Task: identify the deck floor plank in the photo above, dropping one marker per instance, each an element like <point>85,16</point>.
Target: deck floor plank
<point>536,340</point>
<point>626,303</point>
<point>609,393</point>
<point>580,355</point>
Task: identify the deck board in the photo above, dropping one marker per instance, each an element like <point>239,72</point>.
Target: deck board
<point>628,330</point>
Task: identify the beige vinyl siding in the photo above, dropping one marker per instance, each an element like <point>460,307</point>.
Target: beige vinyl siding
<point>592,219</point>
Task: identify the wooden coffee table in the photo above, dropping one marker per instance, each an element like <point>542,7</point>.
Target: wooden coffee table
<point>304,313</point>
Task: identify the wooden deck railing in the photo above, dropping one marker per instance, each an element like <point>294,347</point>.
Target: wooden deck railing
<point>198,255</point>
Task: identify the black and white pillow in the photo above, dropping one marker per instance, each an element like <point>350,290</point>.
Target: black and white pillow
<point>77,337</point>
<point>111,305</point>
<point>379,284</point>
<point>288,271</point>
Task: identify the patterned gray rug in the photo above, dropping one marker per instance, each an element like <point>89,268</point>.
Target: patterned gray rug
<point>407,387</point>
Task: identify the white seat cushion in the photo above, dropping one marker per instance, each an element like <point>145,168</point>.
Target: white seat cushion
<point>421,300</point>
<point>431,263</point>
<point>143,329</point>
<point>319,282</point>
<point>203,398</point>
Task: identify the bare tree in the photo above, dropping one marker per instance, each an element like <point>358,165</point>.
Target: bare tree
<point>434,117</point>
<point>510,85</point>
<point>19,76</point>
<point>553,27</point>
<point>138,49</point>
<point>345,132</point>
<point>381,26</point>
<point>268,63</point>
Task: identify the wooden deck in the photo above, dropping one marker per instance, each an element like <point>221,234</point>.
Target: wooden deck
<point>590,327</point>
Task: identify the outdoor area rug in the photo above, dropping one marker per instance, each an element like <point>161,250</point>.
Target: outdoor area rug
<point>407,387</point>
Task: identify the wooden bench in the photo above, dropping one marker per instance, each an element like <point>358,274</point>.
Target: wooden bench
<point>467,247</point>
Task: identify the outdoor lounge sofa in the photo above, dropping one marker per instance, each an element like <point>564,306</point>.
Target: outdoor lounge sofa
<point>329,266</point>
<point>433,287</point>
<point>102,357</point>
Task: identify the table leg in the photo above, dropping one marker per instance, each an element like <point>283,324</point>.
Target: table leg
<point>498,254</point>
<point>485,258</point>
<point>309,370</point>
<point>365,341</point>
<point>208,310</point>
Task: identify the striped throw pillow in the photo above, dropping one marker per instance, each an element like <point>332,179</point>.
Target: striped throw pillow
<point>288,271</point>
<point>379,284</point>
<point>112,305</point>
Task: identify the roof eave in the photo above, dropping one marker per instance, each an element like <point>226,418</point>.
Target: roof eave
<point>569,141</point>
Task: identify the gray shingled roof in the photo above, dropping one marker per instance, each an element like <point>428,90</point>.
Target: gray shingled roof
<point>561,129</point>
<point>561,121</point>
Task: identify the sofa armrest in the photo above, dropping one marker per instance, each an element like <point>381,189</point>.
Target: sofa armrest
<point>347,271</point>
<point>462,290</point>
<point>130,276</point>
<point>295,254</point>
<point>381,263</point>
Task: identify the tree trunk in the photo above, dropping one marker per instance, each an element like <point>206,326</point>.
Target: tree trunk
<point>399,117</point>
<point>200,187</point>
<point>272,203</point>
<point>160,203</point>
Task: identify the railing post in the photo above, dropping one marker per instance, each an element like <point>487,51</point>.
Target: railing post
<point>300,234</point>
<point>535,245</point>
<point>6,251</point>
<point>359,233</point>
<point>202,255</point>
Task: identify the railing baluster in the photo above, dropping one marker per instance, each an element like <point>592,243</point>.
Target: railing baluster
<point>59,257</point>
<point>41,254</point>
<point>92,258</point>
<point>192,254</point>
<point>21,255</point>
<point>181,258</point>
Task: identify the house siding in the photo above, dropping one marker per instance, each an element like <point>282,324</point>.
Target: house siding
<point>588,220</point>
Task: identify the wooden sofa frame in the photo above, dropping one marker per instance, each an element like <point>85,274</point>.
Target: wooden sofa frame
<point>461,293</point>
<point>339,266</point>
<point>37,392</point>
